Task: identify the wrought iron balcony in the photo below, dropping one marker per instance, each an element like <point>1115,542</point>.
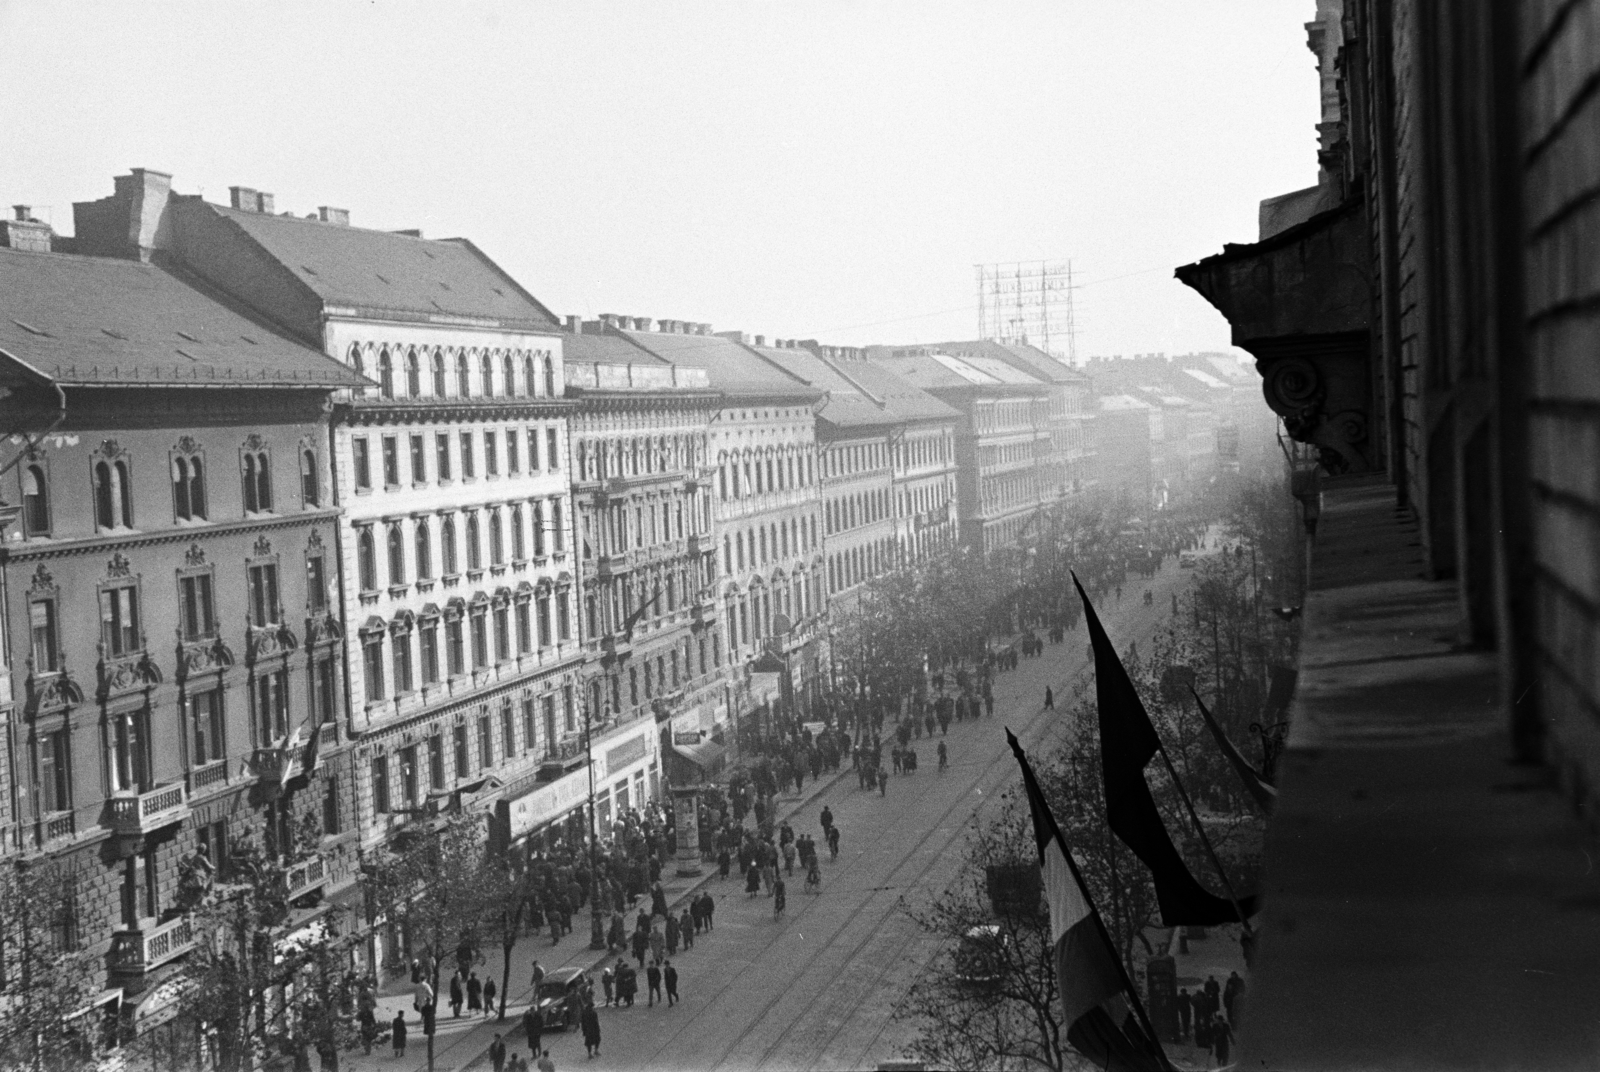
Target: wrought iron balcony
<point>277,764</point>
<point>141,951</point>
<point>135,815</point>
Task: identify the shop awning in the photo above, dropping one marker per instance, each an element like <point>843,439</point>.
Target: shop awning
<point>702,755</point>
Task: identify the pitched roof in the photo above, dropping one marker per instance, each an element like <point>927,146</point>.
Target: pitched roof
<point>734,369</point>
<point>1028,358</point>
<point>858,393</point>
<point>929,370</point>
<point>381,270</point>
<point>93,321</point>
<point>605,350</point>
<point>1127,403</point>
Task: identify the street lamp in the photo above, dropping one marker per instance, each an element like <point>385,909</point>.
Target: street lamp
<point>597,930</point>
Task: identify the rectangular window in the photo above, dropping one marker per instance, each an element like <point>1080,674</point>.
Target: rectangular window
<point>331,823</point>
<point>527,722</point>
<point>513,453</point>
<point>468,462</point>
<point>372,654</point>
<point>410,776</point>
<point>569,711</point>
<point>212,839</point>
<point>524,628</point>
<point>549,703</point>
<point>401,645</point>
<point>325,691</point>
<point>316,585</point>
<point>485,744</point>
<point>537,517</point>
<point>519,541</point>
<point>42,622</point>
<point>544,621</point>
<point>271,697</point>
<point>453,645</point>
<point>419,460</point>
<point>363,461</point>
<point>463,757</point>
<point>441,455</point>
<point>497,541</point>
<point>480,639</point>
<point>380,784</point>
<point>491,453</point>
<point>430,652</point>
<point>119,620</point>
<point>552,450</point>
<point>558,528</point>
<point>502,633</point>
<point>508,731</point>
<point>195,607</point>
<point>55,771</point>
<point>391,462</point>
<point>563,616</point>
<point>436,761</point>
<point>533,450</point>
<point>264,594</point>
<point>205,715</point>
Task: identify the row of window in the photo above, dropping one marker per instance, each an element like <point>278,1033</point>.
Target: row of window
<point>660,590</point>
<point>1011,490</point>
<point>658,676</point>
<point>111,488</point>
<point>476,636</point>
<point>845,459</point>
<point>450,373</point>
<point>924,450</point>
<point>545,520</point>
<point>1009,453</point>
<point>402,779</point>
<point>1009,415</point>
<point>644,523</point>
<point>850,568</point>
<point>750,613</point>
<point>765,544</point>
<point>602,459</point>
<point>753,473</point>
<point>916,501</point>
<point>852,511</point>
<point>459,457</point>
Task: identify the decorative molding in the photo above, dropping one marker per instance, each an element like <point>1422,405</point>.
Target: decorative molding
<point>108,448</point>
<point>118,566</point>
<point>187,445</point>
<point>314,541</point>
<point>263,546</point>
<point>43,582</point>
<point>253,441</point>
<point>195,556</point>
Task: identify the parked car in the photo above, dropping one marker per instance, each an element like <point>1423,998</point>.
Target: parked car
<point>1186,560</point>
<point>560,1000</point>
<point>981,955</point>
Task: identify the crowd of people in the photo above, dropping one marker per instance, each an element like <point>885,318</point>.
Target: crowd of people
<point>1213,1011</point>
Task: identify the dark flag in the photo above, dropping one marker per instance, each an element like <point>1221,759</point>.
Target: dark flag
<point>1127,743</point>
<point>1265,794</point>
<point>1094,988</point>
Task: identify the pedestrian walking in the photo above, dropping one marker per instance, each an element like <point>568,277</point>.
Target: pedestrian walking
<point>827,819</point>
<point>883,782</point>
<point>606,982</point>
<point>497,1053</point>
<point>686,929</point>
<point>672,935</point>
<point>474,993</point>
<point>369,1030</point>
<point>833,841</point>
<point>533,1025</point>
<point>658,946</point>
<point>670,975</point>
<point>1221,1040</point>
<point>398,1033</point>
<point>752,880</point>
<point>456,996</point>
<point>488,997</point>
<point>590,1022</point>
<point>788,858</point>
<point>778,899</point>
<point>1185,1006</point>
<point>710,912</point>
<point>1049,699</point>
<point>724,862</point>
<point>652,975</point>
<point>538,973</point>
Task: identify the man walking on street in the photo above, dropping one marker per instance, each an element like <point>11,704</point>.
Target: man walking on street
<point>1049,699</point>
<point>1185,1009</point>
<point>653,977</point>
<point>532,1026</point>
<point>497,1054</point>
<point>398,1031</point>
<point>671,975</point>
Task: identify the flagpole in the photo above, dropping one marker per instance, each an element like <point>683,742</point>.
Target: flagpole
<point>1204,839</point>
<point>1128,986</point>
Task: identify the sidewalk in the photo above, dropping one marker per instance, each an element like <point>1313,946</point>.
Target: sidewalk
<point>464,1043</point>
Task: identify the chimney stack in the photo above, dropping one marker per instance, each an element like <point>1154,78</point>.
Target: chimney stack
<point>243,198</point>
<point>641,323</point>
<point>574,325</point>
<point>26,233</point>
<point>611,320</point>
<point>340,216</point>
<point>131,223</point>
<point>761,340</point>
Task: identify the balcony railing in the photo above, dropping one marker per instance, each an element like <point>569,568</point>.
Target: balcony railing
<point>141,951</point>
<point>275,765</point>
<point>57,825</point>
<point>210,776</point>
<point>306,876</point>
<point>134,816</point>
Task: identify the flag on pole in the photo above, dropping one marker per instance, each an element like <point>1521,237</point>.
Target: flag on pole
<point>1264,792</point>
<point>313,747</point>
<point>286,756</point>
<point>1095,990</point>
<point>1127,743</point>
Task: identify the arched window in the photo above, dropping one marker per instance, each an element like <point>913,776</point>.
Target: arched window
<point>257,482</point>
<point>508,368</point>
<point>447,544</point>
<point>113,495</point>
<point>413,375</point>
<point>487,367</point>
<point>422,550</point>
<point>549,377</point>
<point>439,387</point>
<point>530,378</point>
<point>35,501</point>
<point>518,540</point>
<point>355,359</point>
<point>310,484</point>
<point>397,556</point>
<point>497,546</point>
<point>463,375</point>
<point>367,561</point>
<point>385,374</point>
<point>104,516</point>
<point>474,548</point>
<point>188,487</point>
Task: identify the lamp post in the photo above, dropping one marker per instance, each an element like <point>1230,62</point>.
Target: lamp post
<point>597,929</point>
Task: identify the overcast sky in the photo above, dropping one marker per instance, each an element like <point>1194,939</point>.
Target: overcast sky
<point>827,170</point>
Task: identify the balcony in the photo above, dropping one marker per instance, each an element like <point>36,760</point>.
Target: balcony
<point>306,876</point>
<point>56,826</point>
<point>276,765</point>
<point>615,646</point>
<point>208,778</point>
<point>705,612</point>
<point>137,953</point>
<point>701,544</point>
<point>134,816</point>
<point>612,565</point>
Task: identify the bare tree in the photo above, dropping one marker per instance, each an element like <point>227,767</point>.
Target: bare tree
<point>47,982</point>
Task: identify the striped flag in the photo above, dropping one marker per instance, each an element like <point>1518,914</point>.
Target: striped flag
<point>1095,990</point>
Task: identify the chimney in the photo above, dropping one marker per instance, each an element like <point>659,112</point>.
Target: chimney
<point>641,323</point>
<point>611,320</point>
<point>244,199</point>
<point>667,327</point>
<point>761,340</point>
<point>132,222</point>
<point>340,216</point>
<point>736,336</point>
<point>25,233</point>
<point>264,204</point>
<point>574,325</point>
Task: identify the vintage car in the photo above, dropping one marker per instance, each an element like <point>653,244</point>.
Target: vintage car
<point>560,1000</point>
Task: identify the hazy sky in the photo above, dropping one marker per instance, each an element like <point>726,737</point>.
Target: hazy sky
<point>829,170</point>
